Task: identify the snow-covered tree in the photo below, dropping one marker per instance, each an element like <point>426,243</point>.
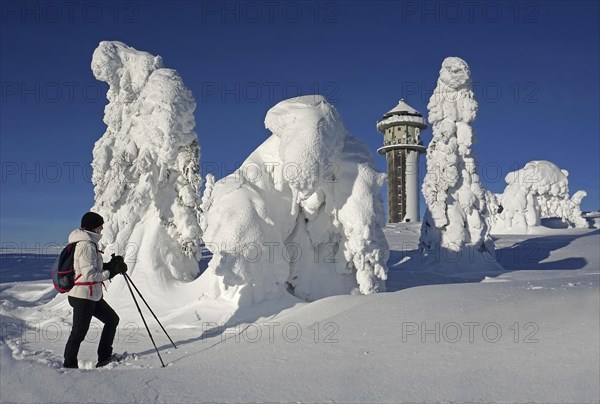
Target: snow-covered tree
<point>303,212</point>
<point>146,165</point>
<point>455,217</point>
<point>538,190</point>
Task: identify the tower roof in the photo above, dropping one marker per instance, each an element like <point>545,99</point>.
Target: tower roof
<point>399,115</point>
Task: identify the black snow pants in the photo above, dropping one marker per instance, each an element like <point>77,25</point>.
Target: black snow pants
<point>83,311</point>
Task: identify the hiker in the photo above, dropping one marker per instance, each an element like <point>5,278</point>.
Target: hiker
<point>86,295</point>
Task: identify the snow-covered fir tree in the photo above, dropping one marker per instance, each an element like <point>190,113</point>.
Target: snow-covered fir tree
<point>303,214</point>
<point>537,191</point>
<point>455,220</point>
<point>146,165</point>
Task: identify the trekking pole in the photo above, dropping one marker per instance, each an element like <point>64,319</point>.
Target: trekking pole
<point>148,306</point>
<point>144,320</point>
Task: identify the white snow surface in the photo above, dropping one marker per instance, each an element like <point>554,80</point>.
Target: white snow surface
<point>528,335</point>
<point>302,214</point>
<point>456,206</point>
<point>537,191</point>
<point>146,167</point>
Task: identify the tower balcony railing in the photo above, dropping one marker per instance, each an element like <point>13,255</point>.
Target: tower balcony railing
<point>407,146</point>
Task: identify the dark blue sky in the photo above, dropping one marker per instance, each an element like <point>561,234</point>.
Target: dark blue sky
<point>535,66</point>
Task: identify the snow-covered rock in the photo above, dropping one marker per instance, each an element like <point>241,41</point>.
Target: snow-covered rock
<point>302,214</point>
<point>146,166</point>
<point>537,191</point>
<point>455,218</point>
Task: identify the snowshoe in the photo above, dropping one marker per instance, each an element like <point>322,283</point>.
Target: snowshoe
<point>115,357</point>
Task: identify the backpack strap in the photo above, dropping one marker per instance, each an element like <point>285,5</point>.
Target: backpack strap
<point>90,284</point>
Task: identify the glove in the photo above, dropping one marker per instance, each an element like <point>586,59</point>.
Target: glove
<point>120,267</point>
<point>109,266</point>
<point>116,266</point>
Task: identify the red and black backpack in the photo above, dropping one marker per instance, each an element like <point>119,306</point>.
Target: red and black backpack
<point>63,270</point>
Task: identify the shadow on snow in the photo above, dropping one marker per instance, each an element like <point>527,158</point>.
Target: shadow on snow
<point>405,266</point>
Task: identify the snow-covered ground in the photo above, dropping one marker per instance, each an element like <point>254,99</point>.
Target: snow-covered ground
<point>528,334</point>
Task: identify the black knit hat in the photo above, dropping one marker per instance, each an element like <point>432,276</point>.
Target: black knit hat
<point>91,221</point>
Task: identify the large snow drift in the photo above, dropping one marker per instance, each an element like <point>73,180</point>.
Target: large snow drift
<point>146,166</point>
<point>303,213</point>
<point>454,224</point>
<point>538,190</point>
